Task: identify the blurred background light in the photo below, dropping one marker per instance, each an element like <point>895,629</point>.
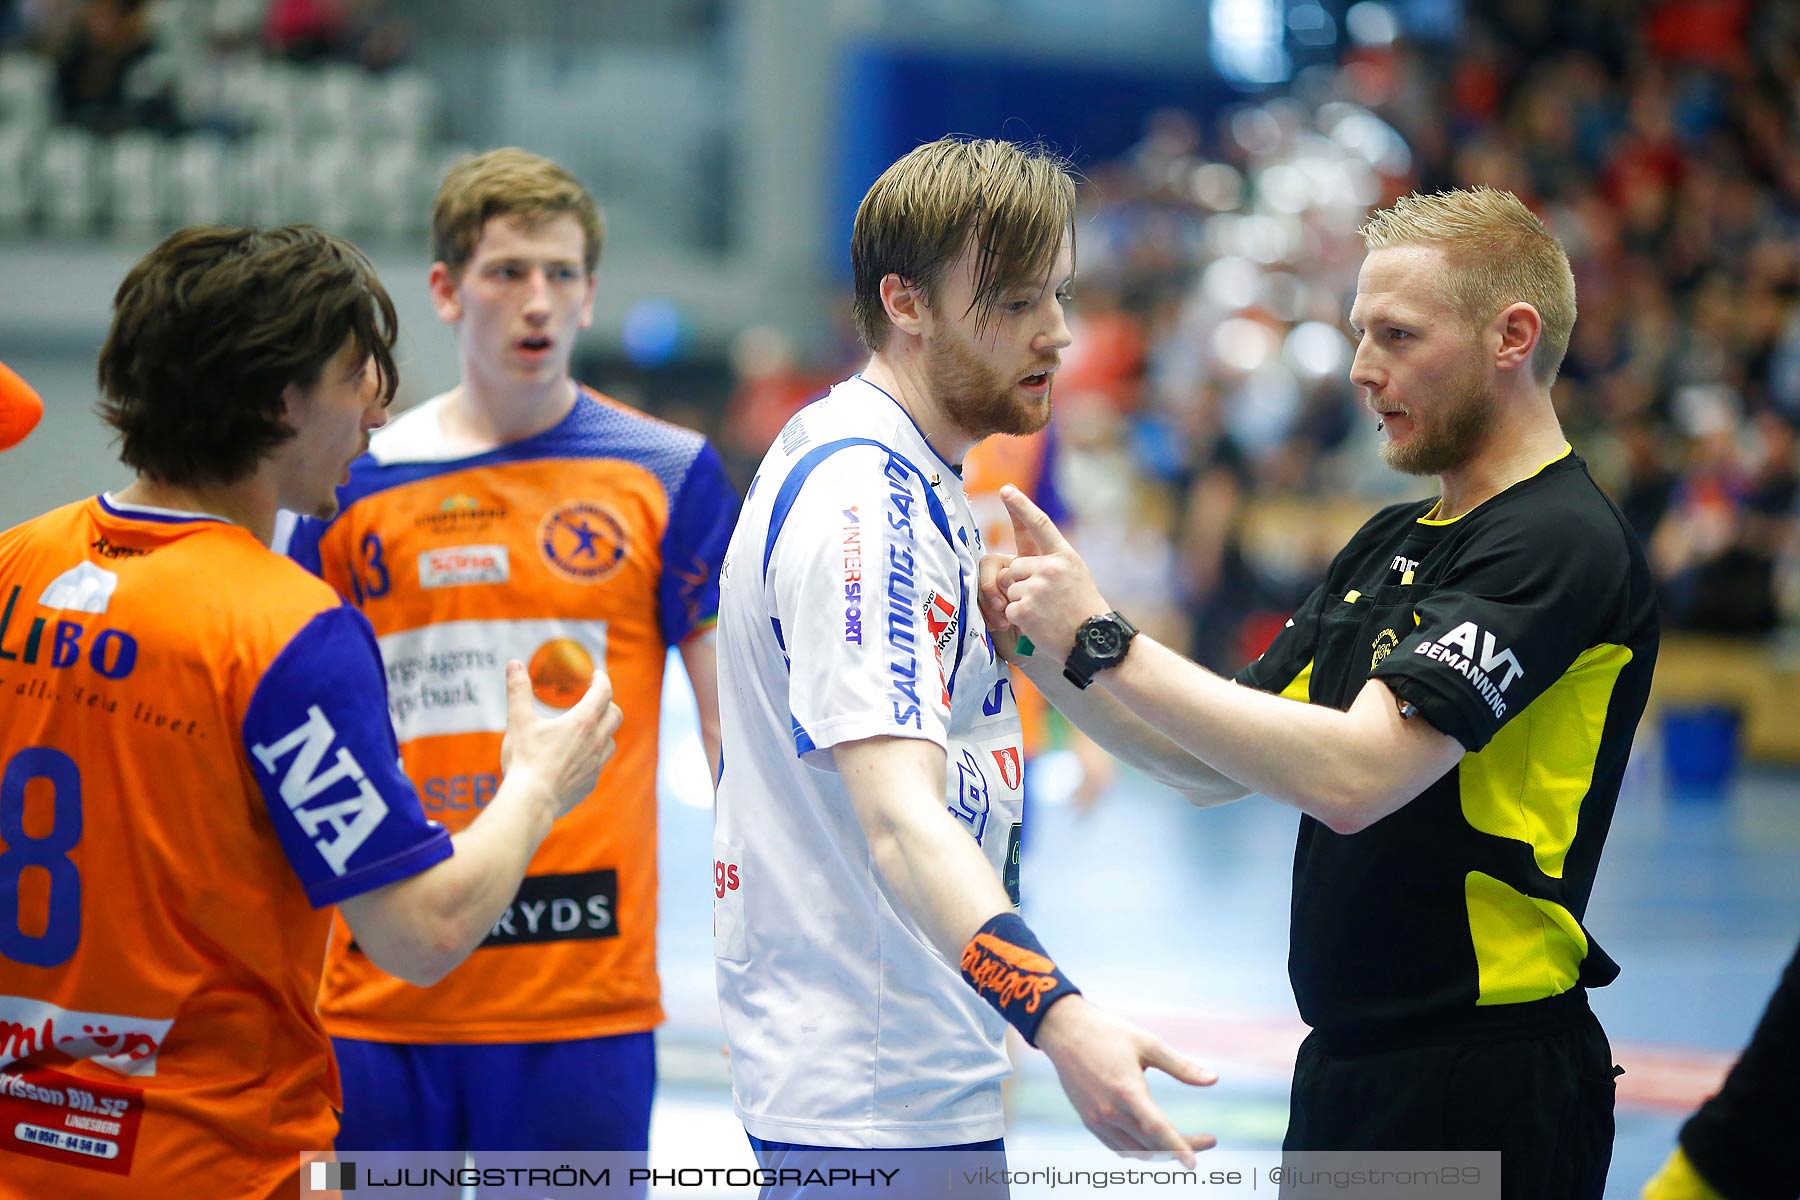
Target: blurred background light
<point>1315,350</point>
<point>1311,25</point>
<point>1371,23</point>
<point>653,332</point>
<point>1243,344</point>
<point>1230,283</point>
<point>1218,186</point>
<point>1246,41</point>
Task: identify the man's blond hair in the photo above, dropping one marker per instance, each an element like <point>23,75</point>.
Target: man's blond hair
<point>1012,204</point>
<point>509,182</point>
<point>1498,252</point>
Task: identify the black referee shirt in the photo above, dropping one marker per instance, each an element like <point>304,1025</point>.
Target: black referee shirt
<point>1527,630</point>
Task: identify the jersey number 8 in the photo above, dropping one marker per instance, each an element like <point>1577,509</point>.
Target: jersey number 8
<point>49,853</point>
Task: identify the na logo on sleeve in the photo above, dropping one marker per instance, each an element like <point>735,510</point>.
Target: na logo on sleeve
<point>337,828</point>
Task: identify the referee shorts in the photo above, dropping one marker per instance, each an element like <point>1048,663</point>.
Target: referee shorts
<point>1545,1102</point>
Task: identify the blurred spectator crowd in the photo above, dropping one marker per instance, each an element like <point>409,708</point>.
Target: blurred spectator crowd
<point>1210,443</point>
<point>1208,438</point>
<point>135,116</point>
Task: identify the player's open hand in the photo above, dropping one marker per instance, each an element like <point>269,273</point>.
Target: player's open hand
<point>1101,1061</point>
<point>567,750</point>
<point>1048,588</point>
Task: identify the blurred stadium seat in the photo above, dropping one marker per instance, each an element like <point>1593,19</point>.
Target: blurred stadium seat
<point>69,195</point>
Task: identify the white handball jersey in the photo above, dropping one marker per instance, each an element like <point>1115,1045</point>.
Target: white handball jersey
<point>847,611</point>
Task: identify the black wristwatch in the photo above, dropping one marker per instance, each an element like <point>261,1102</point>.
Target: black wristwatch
<point>1100,642</point>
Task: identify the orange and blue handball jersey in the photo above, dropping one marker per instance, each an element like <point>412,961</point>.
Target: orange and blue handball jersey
<point>596,542</point>
<point>195,763</point>
<point>1028,463</point>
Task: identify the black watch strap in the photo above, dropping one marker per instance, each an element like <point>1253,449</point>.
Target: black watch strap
<point>1100,642</point>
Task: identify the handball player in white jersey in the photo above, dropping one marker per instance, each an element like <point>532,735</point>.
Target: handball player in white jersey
<point>868,944</point>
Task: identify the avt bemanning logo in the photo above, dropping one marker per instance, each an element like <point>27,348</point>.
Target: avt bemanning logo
<point>331,1177</point>
<point>1491,668</point>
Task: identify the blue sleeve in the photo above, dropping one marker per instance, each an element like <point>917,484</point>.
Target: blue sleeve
<point>701,519</point>
<point>322,748</point>
<point>298,537</point>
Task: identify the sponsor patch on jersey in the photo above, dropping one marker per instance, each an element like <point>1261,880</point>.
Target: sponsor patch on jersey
<point>128,1045</point>
<point>70,1121</point>
<point>902,597</point>
<point>972,800</point>
<point>82,588</point>
<point>1474,654</point>
<point>940,626</point>
<point>731,939</point>
<point>468,792</point>
<point>582,541</point>
<point>459,566</point>
<point>337,821</point>
<point>726,878</point>
<point>1009,871</point>
<point>106,548</point>
<point>1007,759</point>
<point>852,543</point>
<point>111,653</point>
<point>462,513</point>
<point>995,701</point>
<point>940,620</point>
<point>794,437</point>
<point>1382,646</point>
<point>450,678</point>
<point>578,907</point>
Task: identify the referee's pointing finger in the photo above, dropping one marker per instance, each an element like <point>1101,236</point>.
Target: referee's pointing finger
<point>1035,532</point>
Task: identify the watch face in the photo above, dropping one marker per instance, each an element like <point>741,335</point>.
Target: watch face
<point>1103,641</point>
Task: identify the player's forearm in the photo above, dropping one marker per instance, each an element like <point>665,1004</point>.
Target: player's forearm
<point>940,876</point>
<point>710,742</point>
<point>1131,739</point>
<point>700,658</point>
<point>1307,756</point>
<point>933,869</point>
<point>496,848</point>
<point>421,928</point>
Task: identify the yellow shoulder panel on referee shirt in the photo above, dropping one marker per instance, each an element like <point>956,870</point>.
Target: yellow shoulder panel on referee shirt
<point>1528,783</point>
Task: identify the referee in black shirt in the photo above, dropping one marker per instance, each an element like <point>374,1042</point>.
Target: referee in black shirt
<point>1452,710</point>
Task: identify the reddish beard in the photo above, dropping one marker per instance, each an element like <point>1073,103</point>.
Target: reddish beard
<point>1458,429</point>
<point>978,399</point>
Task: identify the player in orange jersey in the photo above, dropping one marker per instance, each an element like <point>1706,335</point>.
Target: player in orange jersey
<point>194,759</point>
<point>523,515</point>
